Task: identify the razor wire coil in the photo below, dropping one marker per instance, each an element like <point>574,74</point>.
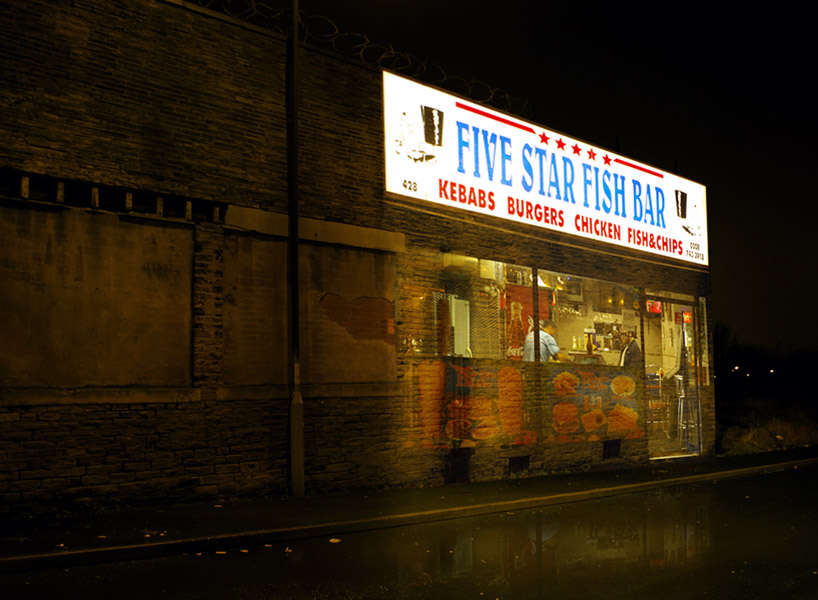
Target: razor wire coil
<point>323,32</point>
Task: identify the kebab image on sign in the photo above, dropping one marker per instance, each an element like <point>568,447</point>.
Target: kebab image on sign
<point>419,137</point>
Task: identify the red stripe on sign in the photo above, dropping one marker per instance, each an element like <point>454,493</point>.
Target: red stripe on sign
<point>633,166</point>
<point>488,115</point>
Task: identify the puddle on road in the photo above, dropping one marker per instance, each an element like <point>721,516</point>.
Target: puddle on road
<point>612,548</point>
<point>742,538</point>
<point>658,530</point>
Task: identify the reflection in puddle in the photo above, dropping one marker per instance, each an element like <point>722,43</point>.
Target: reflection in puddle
<point>568,548</point>
<point>750,537</point>
<point>662,529</point>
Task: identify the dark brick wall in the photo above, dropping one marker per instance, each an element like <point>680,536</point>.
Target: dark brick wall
<point>150,99</point>
<point>166,99</point>
<point>126,453</point>
<point>342,118</point>
<point>354,442</point>
<point>341,145</point>
<point>208,302</point>
<point>148,95</point>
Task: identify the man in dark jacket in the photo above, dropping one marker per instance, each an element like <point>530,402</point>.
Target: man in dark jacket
<point>631,353</point>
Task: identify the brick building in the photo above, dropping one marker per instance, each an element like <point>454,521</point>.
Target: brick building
<point>144,286</point>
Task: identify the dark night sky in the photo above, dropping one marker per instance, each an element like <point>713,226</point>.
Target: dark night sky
<point>719,96</point>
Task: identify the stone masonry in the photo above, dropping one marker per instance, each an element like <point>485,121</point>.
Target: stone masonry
<point>143,212</point>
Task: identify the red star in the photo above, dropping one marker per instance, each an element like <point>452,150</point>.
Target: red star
<point>576,148</point>
<point>543,138</point>
<point>560,144</point>
<point>607,160</point>
<point>592,154</point>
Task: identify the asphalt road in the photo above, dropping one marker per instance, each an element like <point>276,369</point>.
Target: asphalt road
<point>752,537</point>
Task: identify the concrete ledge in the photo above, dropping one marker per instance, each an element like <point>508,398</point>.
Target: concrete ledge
<point>252,392</point>
<point>314,230</point>
<point>313,390</point>
<point>255,219</point>
<point>42,397</point>
<point>351,235</point>
<point>166,395</point>
<point>353,390</point>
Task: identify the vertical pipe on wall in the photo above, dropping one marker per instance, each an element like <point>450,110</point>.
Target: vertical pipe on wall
<point>539,387</point>
<point>296,403</point>
<point>535,310</point>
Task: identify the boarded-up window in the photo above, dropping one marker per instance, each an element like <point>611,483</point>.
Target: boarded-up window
<point>255,311</point>
<point>348,315</point>
<point>93,300</point>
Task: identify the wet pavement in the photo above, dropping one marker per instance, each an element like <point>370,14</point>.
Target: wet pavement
<point>748,536</point>
<point>208,528</point>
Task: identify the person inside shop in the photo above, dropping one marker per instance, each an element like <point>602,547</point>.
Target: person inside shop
<point>548,344</point>
<point>631,354</point>
<point>617,340</point>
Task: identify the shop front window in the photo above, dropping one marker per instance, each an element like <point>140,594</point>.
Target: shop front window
<point>626,364</point>
<point>463,323</point>
<point>460,306</point>
<point>595,321</point>
<point>673,369</point>
<point>483,308</point>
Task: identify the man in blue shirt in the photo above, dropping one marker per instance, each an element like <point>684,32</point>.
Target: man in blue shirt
<point>548,344</point>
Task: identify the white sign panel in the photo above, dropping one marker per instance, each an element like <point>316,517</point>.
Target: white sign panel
<point>447,150</point>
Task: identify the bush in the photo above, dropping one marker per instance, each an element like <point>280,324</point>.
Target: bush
<point>765,398</point>
<point>764,434</point>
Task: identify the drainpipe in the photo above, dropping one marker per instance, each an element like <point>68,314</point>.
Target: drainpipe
<point>535,298</point>
<point>296,403</point>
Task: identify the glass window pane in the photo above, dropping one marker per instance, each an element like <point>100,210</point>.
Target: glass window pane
<point>670,295</point>
<point>703,343</point>
<point>461,306</point>
<point>591,316</point>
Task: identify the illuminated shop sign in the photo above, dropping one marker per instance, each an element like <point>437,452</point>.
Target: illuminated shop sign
<point>447,150</point>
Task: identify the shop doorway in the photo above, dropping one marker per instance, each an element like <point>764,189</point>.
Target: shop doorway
<point>672,364</point>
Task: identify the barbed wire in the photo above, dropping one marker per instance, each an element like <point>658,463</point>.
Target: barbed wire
<point>323,32</point>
